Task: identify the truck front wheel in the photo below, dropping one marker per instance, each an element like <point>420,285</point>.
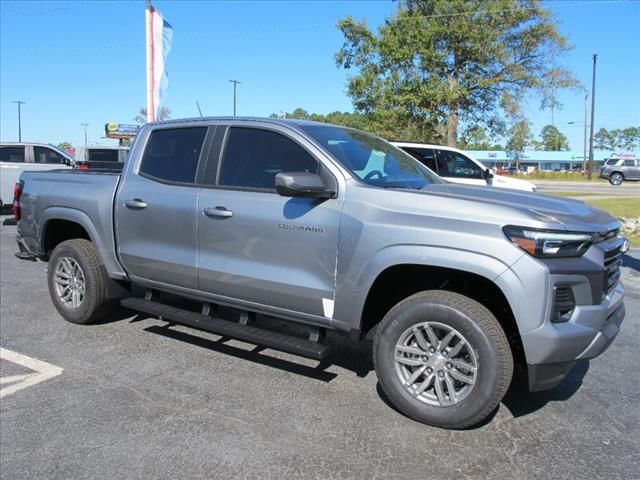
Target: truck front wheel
<point>76,282</point>
<point>442,359</point>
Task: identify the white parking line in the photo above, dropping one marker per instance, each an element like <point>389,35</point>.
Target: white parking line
<point>43,371</point>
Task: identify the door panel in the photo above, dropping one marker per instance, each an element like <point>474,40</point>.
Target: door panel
<point>157,208</point>
<point>273,250</point>
<point>256,245</point>
<point>466,181</point>
<point>158,242</point>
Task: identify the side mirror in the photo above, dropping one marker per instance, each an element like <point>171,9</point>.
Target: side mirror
<point>302,184</point>
<point>488,174</point>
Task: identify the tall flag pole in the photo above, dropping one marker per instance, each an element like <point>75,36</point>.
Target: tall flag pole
<point>149,47</point>
<point>159,36</point>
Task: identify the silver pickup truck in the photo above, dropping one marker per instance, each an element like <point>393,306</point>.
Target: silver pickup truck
<point>218,223</point>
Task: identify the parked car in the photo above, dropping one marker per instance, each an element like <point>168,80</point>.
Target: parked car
<point>618,170</point>
<point>457,166</point>
<point>18,157</point>
<point>100,157</point>
<point>335,229</point>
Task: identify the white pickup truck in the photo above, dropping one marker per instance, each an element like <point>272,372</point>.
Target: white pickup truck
<point>15,158</point>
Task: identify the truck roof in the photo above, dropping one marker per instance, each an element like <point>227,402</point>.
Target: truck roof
<point>277,121</point>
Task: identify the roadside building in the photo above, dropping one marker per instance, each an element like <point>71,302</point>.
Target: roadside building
<point>547,161</point>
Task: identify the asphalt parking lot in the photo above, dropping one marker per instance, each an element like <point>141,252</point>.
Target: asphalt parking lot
<point>134,398</point>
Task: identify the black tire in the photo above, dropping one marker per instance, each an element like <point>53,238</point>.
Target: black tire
<point>616,178</point>
<point>485,337</point>
<point>95,303</point>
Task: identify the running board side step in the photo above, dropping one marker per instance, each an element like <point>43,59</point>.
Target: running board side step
<point>247,333</point>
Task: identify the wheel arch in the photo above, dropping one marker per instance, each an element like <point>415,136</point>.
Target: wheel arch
<point>63,223</point>
<point>468,273</point>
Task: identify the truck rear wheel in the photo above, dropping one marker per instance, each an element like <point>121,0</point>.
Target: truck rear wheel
<point>76,282</point>
<point>442,359</point>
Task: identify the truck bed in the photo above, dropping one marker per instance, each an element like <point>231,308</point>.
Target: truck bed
<point>82,196</point>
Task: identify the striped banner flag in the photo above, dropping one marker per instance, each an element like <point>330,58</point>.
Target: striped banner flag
<point>159,39</point>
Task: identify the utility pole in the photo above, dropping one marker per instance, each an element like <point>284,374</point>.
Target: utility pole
<point>20,103</point>
<point>593,107</point>
<point>235,84</point>
<point>584,142</point>
<point>85,125</point>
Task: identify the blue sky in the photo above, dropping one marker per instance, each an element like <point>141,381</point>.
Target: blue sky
<point>84,61</point>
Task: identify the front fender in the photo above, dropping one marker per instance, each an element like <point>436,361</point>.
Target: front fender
<point>350,308</point>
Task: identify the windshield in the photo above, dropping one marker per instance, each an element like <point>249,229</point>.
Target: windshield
<point>372,159</point>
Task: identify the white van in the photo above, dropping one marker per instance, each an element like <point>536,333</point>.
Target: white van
<point>18,157</point>
<point>457,166</point>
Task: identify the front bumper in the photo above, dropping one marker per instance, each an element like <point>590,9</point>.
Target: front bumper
<point>589,332</point>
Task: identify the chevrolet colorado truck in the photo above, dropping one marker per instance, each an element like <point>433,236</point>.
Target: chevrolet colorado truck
<point>218,223</point>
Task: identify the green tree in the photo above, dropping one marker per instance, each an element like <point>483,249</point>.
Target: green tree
<point>557,79</point>
<point>604,140</point>
<point>552,139</point>
<point>141,118</point>
<point>347,119</point>
<point>65,145</point>
<point>298,114</point>
<point>475,137</point>
<point>628,138</point>
<point>438,62</point>
<point>519,131</point>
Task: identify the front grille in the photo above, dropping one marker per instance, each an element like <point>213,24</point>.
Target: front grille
<point>611,243</point>
<point>612,262</point>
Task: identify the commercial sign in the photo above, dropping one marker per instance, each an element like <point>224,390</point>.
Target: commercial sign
<point>623,155</point>
<point>119,130</point>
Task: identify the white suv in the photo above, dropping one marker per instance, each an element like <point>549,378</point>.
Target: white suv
<point>457,166</point>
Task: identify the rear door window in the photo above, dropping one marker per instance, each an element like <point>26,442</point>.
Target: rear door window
<point>47,155</point>
<point>12,154</point>
<point>173,154</point>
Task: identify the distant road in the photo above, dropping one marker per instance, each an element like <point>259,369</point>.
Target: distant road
<point>627,189</point>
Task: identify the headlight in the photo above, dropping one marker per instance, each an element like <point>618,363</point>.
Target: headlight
<point>549,243</point>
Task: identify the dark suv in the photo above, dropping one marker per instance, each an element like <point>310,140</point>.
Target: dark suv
<point>618,170</point>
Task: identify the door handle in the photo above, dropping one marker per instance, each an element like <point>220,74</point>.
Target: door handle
<point>135,204</point>
<point>219,212</point>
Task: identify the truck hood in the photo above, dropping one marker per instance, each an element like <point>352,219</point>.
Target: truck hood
<point>573,215</point>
